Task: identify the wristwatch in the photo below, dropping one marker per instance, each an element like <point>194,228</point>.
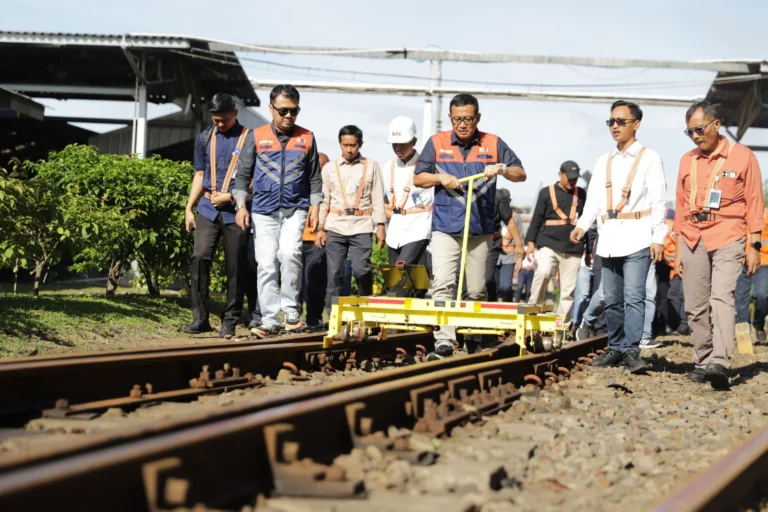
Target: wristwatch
<point>757,246</point>
<point>239,206</point>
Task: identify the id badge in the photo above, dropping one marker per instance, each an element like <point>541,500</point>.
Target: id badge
<point>416,196</point>
<point>713,201</point>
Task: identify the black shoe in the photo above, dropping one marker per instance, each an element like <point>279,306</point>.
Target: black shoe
<point>584,332</point>
<point>760,333</point>
<point>227,331</point>
<point>441,352</point>
<point>313,328</point>
<point>697,375</point>
<point>634,362</point>
<point>609,358</point>
<point>717,375</point>
<point>197,328</point>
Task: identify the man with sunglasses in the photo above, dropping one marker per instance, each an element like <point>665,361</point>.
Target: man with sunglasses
<point>216,153</point>
<point>627,197</point>
<point>446,158</point>
<point>719,208</point>
<point>280,161</point>
<point>554,216</point>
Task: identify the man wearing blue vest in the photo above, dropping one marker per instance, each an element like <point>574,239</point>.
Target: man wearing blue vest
<point>280,160</point>
<point>447,157</point>
<point>216,153</point>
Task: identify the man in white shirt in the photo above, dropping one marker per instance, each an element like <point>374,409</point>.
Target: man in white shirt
<point>627,197</point>
<point>408,208</point>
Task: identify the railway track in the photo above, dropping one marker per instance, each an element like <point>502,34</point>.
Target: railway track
<point>90,383</point>
<point>283,445</point>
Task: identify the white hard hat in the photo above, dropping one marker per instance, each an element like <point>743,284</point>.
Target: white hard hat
<point>402,129</point>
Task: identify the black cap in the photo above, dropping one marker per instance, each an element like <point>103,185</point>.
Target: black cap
<point>571,169</point>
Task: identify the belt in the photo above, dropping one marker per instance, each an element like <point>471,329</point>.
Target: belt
<point>561,222</point>
<point>414,210</point>
<point>351,212</point>
<point>703,217</point>
<point>616,214</point>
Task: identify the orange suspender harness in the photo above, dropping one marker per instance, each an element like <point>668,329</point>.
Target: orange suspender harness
<point>571,218</point>
<point>232,162</point>
<point>354,210</point>
<point>612,213</point>
<point>704,214</point>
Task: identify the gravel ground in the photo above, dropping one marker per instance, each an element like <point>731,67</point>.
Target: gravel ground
<point>604,440</point>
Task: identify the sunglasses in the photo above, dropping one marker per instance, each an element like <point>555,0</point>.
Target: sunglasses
<point>699,130</point>
<point>284,111</point>
<point>466,120</point>
<point>620,122</point>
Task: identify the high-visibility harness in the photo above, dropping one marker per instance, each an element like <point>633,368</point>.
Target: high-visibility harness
<point>232,162</point>
<point>571,218</point>
<point>354,211</point>
<point>700,215</point>
<point>400,210</point>
<point>616,213</point>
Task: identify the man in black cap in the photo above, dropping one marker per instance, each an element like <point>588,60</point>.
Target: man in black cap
<point>557,209</point>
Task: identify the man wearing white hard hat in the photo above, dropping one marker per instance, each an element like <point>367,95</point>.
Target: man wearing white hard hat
<point>408,208</point>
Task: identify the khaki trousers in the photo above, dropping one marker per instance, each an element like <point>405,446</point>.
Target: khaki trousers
<point>709,285</point>
<point>548,263</point>
<point>446,256</point>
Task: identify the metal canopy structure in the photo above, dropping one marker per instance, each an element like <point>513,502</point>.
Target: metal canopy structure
<point>152,68</point>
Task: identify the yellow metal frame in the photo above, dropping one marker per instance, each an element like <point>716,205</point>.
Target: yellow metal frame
<point>470,317</point>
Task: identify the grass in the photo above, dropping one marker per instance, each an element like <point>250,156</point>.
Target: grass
<point>80,321</point>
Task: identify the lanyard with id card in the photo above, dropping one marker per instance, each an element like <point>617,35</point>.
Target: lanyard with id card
<point>714,195</point>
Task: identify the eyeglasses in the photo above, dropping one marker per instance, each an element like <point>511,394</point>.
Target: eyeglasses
<point>699,130</point>
<point>284,111</point>
<point>466,120</point>
<point>620,122</point>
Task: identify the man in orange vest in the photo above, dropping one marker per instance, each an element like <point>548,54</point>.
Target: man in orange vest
<point>758,285</point>
<point>315,273</point>
<point>553,219</point>
<point>719,207</point>
<point>217,151</point>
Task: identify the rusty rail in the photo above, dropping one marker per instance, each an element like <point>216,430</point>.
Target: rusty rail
<point>31,385</point>
<point>228,458</point>
<point>738,481</point>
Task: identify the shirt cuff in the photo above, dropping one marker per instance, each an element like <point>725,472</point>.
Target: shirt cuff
<point>315,199</point>
<point>659,235</point>
<point>239,195</point>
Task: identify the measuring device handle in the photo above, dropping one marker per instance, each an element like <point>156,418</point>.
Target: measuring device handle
<point>473,177</point>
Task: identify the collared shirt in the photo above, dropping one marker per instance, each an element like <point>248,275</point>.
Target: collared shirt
<point>405,229</point>
<point>742,196</point>
<point>226,142</point>
<point>556,238</point>
<point>648,190</point>
<point>372,197</point>
<point>248,161</point>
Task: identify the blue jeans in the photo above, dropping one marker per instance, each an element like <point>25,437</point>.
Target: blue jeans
<point>277,243</point>
<point>504,280</point>
<point>595,307</point>
<point>743,292</point>
<point>650,302</point>
<point>582,293</point>
<point>624,280</point>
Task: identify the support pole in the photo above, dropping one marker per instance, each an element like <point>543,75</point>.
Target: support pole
<point>439,100</point>
<point>141,123</point>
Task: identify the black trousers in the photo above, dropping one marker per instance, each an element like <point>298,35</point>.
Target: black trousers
<point>313,281</point>
<point>251,284</point>
<point>410,253</point>
<point>676,318</point>
<point>207,235</point>
<point>490,273</point>
<point>661,314</point>
<point>359,248</point>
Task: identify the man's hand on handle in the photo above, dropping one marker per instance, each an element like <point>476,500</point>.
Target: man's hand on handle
<point>449,181</point>
<point>494,170</point>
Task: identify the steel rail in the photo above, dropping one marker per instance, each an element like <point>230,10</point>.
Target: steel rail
<point>229,458</point>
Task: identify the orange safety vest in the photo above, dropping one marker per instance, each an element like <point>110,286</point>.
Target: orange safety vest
<point>571,218</point>
<point>670,250</point>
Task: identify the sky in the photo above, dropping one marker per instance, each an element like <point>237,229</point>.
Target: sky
<point>543,134</point>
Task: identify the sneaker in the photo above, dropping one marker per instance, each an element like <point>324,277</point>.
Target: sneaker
<point>293,323</point>
<point>264,331</point>
<point>609,358</point>
<point>760,333</point>
<point>717,375</point>
<point>634,362</point>
<point>697,375</point>
<point>649,343</point>
<point>197,328</point>
<point>441,352</point>
<point>227,331</point>
<point>584,332</point>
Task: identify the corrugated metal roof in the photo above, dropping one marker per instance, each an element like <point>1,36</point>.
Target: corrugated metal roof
<point>80,39</point>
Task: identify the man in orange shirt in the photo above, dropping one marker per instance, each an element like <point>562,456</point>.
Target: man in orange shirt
<point>758,284</point>
<point>719,202</point>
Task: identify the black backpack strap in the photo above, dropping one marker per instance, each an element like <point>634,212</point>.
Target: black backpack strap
<point>207,137</point>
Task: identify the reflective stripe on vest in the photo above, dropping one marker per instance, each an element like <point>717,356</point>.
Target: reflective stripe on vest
<point>570,219</point>
<point>713,178</point>
<point>279,176</point>
<point>450,205</point>
<point>232,162</point>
